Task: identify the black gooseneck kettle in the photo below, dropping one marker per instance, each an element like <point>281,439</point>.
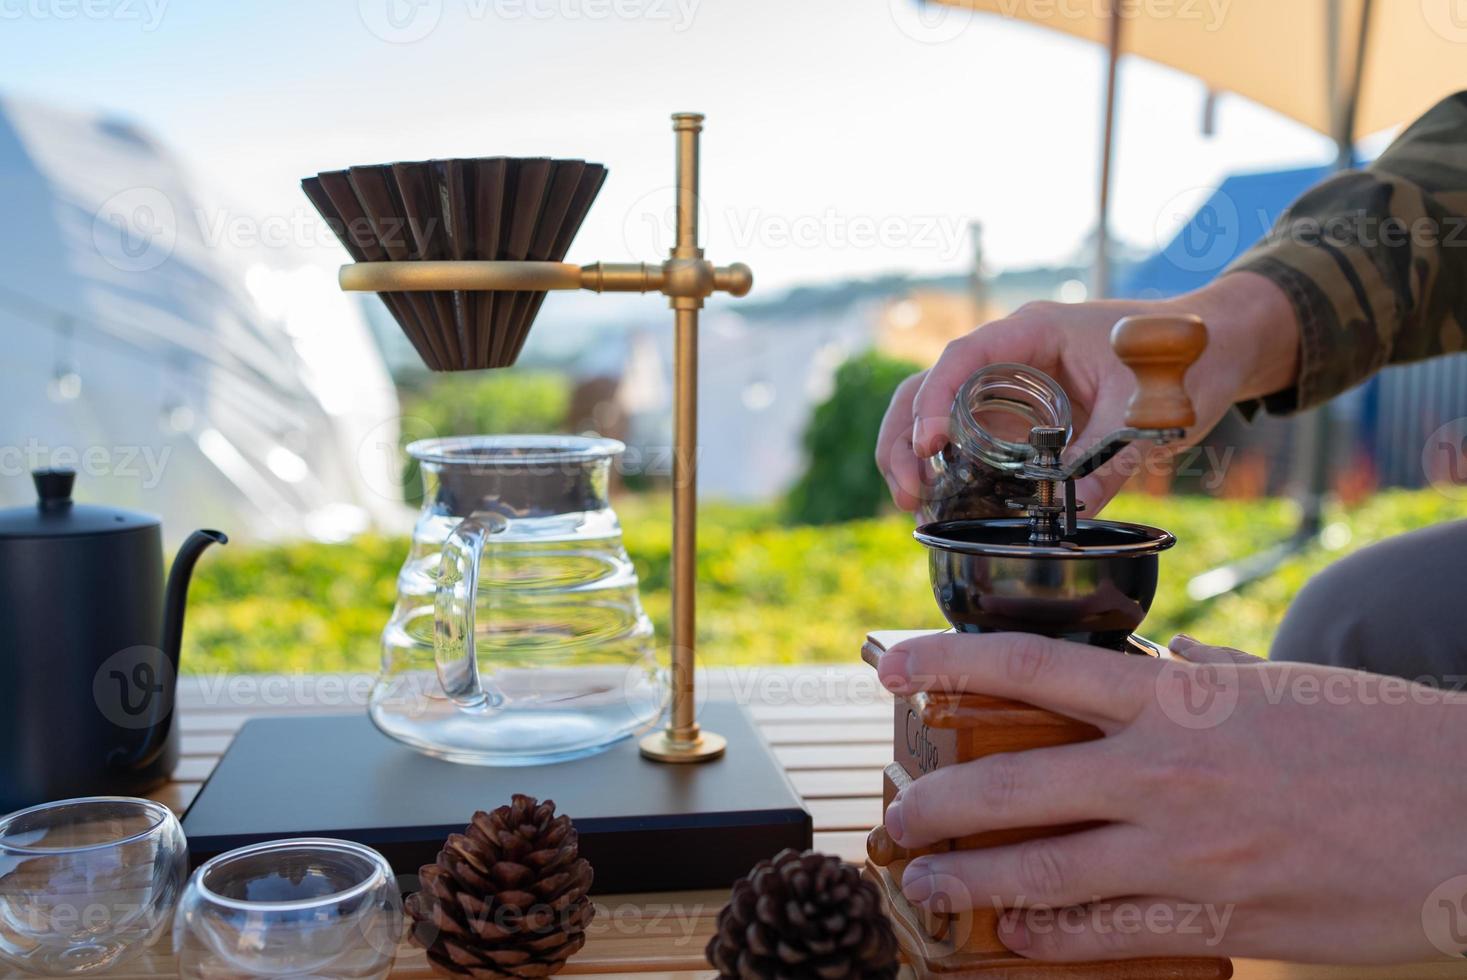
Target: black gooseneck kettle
<point>89,642</point>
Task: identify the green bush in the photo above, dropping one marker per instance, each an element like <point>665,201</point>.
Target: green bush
<point>766,593</point>
<point>841,481</point>
<point>491,402</point>
<point>481,403</point>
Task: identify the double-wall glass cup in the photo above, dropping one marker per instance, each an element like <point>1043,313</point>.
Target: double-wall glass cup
<point>86,883</point>
<point>306,908</point>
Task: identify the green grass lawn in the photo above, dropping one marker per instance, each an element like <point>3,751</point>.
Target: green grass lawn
<point>768,593</point>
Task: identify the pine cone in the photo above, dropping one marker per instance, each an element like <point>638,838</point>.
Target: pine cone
<point>803,917</point>
<point>507,897</point>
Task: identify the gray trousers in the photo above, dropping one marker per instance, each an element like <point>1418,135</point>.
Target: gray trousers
<point>1398,607</point>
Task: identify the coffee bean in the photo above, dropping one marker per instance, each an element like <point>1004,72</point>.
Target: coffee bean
<point>965,489</point>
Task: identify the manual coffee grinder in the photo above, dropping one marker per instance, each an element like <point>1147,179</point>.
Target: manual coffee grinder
<point>1045,572</point>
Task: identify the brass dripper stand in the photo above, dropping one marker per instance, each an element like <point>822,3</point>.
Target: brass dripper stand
<point>687,279</point>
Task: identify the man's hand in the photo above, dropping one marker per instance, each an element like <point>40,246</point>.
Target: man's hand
<point>1252,351</point>
<point>1248,808</point>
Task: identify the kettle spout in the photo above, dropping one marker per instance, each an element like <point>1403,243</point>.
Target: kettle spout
<point>177,594</point>
<point>157,738</point>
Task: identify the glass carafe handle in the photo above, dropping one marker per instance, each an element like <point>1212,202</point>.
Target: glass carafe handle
<point>453,611</point>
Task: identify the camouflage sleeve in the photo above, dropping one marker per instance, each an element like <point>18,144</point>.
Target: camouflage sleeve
<point>1374,261</point>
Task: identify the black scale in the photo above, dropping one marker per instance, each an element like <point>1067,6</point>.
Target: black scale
<point>644,826</point>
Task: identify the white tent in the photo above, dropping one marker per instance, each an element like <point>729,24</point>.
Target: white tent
<point>132,351</point>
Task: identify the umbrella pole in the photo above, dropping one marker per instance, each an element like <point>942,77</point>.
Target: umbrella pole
<point>1314,449</point>
<point>1316,430</point>
<point>1101,284</point>
<point>1317,447</point>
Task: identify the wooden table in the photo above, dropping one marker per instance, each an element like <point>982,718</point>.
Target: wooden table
<point>830,726</point>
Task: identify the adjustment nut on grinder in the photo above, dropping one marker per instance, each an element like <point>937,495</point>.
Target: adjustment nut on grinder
<point>1047,439</point>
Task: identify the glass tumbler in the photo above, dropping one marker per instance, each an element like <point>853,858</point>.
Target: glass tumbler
<point>290,908</point>
<point>85,883</point>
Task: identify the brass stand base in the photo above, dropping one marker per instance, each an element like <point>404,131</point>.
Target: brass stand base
<point>932,959</point>
<point>662,747</point>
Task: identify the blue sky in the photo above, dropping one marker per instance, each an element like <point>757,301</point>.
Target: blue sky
<point>845,137</point>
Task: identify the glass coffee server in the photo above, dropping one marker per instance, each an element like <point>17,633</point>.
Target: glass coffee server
<point>518,636</point>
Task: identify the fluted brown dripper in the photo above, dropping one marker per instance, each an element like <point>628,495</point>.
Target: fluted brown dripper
<point>506,898</point>
<point>486,209</point>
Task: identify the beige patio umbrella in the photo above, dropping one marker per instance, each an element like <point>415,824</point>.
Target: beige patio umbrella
<point>1346,68</point>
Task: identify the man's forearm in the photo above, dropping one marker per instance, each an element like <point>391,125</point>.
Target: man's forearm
<point>1373,262</point>
<point>1253,334</point>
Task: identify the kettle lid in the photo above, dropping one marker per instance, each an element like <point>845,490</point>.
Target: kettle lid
<point>55,516</point>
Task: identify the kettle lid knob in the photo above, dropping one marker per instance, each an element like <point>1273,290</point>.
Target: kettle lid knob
<point>53,487</point>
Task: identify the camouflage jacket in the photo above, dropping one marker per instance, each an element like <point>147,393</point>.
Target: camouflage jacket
<point>1374,261</point>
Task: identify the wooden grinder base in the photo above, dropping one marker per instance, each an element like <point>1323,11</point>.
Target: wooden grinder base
<point>935,730</point>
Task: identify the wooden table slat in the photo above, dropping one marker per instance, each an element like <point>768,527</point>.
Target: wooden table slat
<point>194,770</point>
<point>849,845</point>
<point>820,714</point>
<point>818,784</point>
<point>787,733</point>
<point>209,746</point>
<point>846,813</point>
<point>869,756</point>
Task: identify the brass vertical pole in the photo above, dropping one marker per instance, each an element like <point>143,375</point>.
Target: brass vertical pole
<point>684,727</point>
<point>682,740</point>
<point>687,126</point>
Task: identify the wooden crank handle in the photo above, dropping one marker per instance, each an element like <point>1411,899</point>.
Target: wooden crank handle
<point>882,850</point>
<point>1159,350</point>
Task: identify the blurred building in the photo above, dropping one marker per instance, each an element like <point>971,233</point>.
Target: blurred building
<point>175,375</point>
<point>919,325</point>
